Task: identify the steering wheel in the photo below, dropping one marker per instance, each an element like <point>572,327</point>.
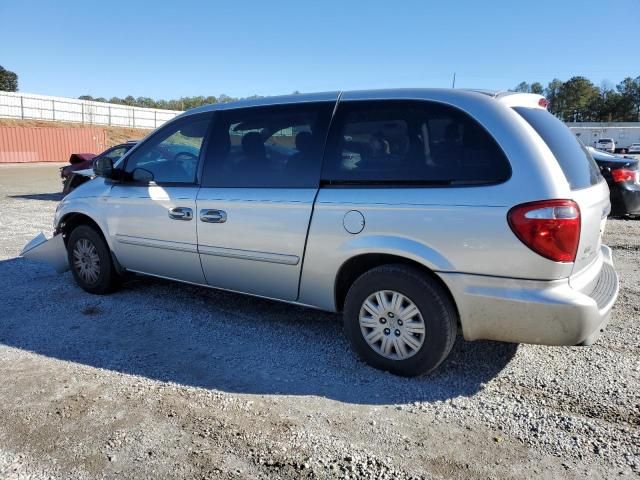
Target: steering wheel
<point>188,156</point>
<point>187,161</point>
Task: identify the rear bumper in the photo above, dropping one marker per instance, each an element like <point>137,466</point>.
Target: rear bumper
<point>625,198</point>
<point>529,311</point>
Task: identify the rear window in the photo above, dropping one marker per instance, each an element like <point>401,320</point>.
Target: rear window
<point>605,140</point>
<point>574,159</point>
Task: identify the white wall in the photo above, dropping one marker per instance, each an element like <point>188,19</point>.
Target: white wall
<point>42,107</point>
<point>623,133</point>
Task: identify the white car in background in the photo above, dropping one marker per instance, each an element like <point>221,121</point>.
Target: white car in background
<point>634,148</point>
<point>606,144</point>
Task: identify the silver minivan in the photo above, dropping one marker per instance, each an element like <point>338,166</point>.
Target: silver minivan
<point>417,213</point>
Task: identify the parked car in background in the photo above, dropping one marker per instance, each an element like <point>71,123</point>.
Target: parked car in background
<point>413,212</point>
<point>634,148</point>
<point>606,145</point>
<point>80,168</point>
<point>623,177</point>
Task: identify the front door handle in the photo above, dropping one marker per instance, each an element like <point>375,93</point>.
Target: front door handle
<point>213,216</point>
<point>180,213</point>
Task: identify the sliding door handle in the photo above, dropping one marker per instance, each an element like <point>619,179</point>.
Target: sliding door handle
<point>213,216</point>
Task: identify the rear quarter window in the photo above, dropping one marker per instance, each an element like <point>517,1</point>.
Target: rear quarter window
<point>577,164</point>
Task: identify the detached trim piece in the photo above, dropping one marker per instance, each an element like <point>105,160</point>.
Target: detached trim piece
<point>149,242</point>
<point>52,251</point>
<point>249,255</point>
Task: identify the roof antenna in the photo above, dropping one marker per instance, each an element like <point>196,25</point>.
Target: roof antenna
<point>453,84</point>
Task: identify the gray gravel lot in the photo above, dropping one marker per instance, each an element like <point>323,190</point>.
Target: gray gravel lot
<point>174,381</point>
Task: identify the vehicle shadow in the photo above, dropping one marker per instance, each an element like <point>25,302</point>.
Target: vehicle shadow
<point>216,340</point>
<point>40,196</point>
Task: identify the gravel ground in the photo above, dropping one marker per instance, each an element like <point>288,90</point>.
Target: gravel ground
<point>174,381</point>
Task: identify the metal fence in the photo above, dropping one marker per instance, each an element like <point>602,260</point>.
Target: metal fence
<point>60,109</point>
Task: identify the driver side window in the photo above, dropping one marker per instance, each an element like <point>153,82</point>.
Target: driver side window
<point>171,155</point>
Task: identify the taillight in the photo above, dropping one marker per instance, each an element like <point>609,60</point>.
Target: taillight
<point>550,228</point>
<point>620,175</point>
<point>543,102</point>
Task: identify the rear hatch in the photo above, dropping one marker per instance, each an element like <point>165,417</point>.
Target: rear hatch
<point>588,188</point>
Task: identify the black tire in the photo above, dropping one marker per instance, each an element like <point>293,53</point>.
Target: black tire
<point>107,278</point>
<point>435,306</point>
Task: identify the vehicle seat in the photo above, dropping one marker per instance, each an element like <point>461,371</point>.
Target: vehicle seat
<point>253,149</point>
<point>304,147</point>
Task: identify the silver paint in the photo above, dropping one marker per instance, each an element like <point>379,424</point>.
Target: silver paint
<point>289,244</point>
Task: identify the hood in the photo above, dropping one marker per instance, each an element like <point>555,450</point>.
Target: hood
<point>93,188</point>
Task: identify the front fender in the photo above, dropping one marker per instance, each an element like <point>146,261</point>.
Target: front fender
<point>90,207</point>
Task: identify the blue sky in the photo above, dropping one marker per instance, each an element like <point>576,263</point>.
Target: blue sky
<point>182,48</point>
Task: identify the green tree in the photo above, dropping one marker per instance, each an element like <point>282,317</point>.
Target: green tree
<point>8,80</point>
<point>145,102</point>
<point>184,103</point>
<point>536,87</point>
<point>576,94</point>
<point>552,92</point>
<point>629,89</point>
<point>523,87</point>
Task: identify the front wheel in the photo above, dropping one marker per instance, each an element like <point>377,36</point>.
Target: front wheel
<point>400,320</point>
<point>90,261</point>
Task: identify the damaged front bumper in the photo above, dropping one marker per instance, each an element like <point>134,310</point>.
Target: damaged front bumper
<point>52,251</point>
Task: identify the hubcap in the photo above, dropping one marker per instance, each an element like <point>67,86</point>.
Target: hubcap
<point>86,260</point>
<point>386,312</point>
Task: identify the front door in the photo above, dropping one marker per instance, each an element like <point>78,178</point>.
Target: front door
<point>259,184</point>
<point>151,213</point>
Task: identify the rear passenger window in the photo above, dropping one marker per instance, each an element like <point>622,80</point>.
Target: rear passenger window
<point>411,142</point>
<point>576,162</point>
<point>277,147</point>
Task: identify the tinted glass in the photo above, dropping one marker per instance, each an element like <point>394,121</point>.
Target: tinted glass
<point>411,142</point>
<point>279,147</point>
<point>172,154</point>
<point>116,153</point>
<point>579,168</point>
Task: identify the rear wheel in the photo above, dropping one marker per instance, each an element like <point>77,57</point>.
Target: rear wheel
<point>90,261</point>
<point>400,320</point>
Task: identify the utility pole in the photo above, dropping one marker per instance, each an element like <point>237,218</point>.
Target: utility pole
<point>453,84</point>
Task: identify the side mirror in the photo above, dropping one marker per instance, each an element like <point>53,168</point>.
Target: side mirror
<point>142,175</point>
<point>103,167</point>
